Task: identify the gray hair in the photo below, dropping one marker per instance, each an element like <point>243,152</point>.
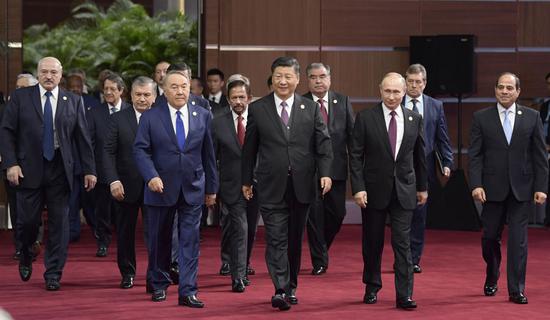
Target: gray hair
<point>415,69</point>
<point>116,79</point>
<point>238,80</point>
<point>317,65</point>
<point>142,81</point>
<point>30,78</point>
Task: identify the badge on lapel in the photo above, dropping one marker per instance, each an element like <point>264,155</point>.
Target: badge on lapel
<point>519,112</point>
<point>65,98</point>
<point>193,102</point>
<point>302,107</point>
<point>410,118</point>
<point>334,101</point>
<point>194,113</point>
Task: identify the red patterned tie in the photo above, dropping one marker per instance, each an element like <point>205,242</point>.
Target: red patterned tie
<point>323,110</point>
<point>240,130</point>
<point>392,132</point>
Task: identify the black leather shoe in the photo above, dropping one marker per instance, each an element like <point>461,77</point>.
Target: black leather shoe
<point>225,270</point>
<point>406,303</point>
<point>25,270</point>
<point>490,289</point>
<point>370,298</point>
<point>237,285</point>
<point>518,298</point>
<point>246,281</point>
<point>174,273</point>
<point>158,295</point>
<point>190,301</point>
<point>127,282</point>
<point>17,255</point>
<point>279,301</point>
<point>417,269</point>
<point>292,299</point>
<point>101,252</point>
<point>317,271</point>
<point>250,271</point>
<point>52,285</point>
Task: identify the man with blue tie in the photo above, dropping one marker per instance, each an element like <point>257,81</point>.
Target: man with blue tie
<point>436,141</point>
<point>40,127</point>
<point>174,153</point>
<point>508,170</point>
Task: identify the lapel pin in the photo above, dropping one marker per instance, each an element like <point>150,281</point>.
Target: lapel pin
<point>194,113</point>
<point>65,98</point>
<point>410,118</point>
<point>302,107</point>
<point>519,112</point>
<point>193,102</point>
<point>334,101</point>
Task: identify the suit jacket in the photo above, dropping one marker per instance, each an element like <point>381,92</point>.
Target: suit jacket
<point>302,149</point>
<point>98,124</point>
<point>21,135</point>
<point>220,107</point>
<point>191,171</point>
<point>118,160</point>
<point>229,156</point>
<point>372,166</point>
<point>521,167</point>
<point>340,128</point>
<point>436,135</point>
<point>543,111</point>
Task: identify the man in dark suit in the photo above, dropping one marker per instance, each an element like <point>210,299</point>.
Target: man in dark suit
<point>327,213</point>
<point>545,117</point>
<point>286,141</point>
<point>215,80</point>
<point>125,182</point>
<point>436,140</point>
<point>241,215</point>
<point>508,169</point>
<point>41,124</point>
<point>174,153</point>
<point>98,123</point>
<point>160,72</point>
<point>388,176</point>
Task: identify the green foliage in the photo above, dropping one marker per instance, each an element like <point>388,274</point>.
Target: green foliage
<point>124,38</point>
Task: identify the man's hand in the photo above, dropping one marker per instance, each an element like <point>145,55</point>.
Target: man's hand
<point>117,190</point>
<point>247,192</point>
<point>13,174</point>
<point>422,197</point>
<point>479,194</point>
<point>89,182</point>
<point>326,184</point>
<point>540,197</point>
<point>447,172</point>
<point>361,199</point>
<point>210,200</point>
<point>156,185</point>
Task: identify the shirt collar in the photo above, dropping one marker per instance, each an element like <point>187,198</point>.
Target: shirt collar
<point>244,114</point>
<point>387,111</point>
<point>289,101</point>
<point>216,96</point>
<point>55,91</point>
<point>501,109</point>
<point>420,99</point>
<point>117,106</point>
<point>174,110</point>
<point>325,98</point>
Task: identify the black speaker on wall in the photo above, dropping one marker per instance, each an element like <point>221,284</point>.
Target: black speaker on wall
<point>449,61</point>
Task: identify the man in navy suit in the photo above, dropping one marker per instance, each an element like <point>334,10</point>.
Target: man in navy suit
<point>508,169</point>
<point>43,132</point>
<point>174,153</point>
<point>436,140</point>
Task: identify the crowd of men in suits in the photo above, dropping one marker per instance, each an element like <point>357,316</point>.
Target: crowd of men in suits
<point>172,153</point>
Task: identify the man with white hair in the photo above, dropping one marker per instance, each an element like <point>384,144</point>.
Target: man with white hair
<point>39,157</point>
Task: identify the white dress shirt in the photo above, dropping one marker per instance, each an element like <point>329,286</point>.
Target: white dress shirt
<point>117,106</point>
<point>53,101</point>
<point>289,102</point>
<point>325,101</point>
<point>138,115</point>
<point>217,97</point>
<point>419,104</point>
<point>236,121</point>
<point>511,115</point>
<point>184,115</point>
<point>399,120</point>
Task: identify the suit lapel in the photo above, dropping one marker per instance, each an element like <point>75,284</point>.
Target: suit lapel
<point>61,106</point>
<point>333,110</point>
<point>37,102</point>
<point>230,125</point>
<point>518,123</point>
<point>407,129</point>
<point>131,119</point>
<point>193,118</point>
<point>167,123</point>
<point>495,119</point>
<point>272,111</point>
<point>381,125</point>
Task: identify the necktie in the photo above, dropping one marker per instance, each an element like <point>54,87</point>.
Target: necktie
<point>507,126</point>
<point>240,130</point>
<point>47,142</point>
<point>324,112</point>
<point>392,133</point>
<point>213,99</point>
<point>284,113</point>
<point>113,110</point>
<point>415,109</point>
<point>180,130</point>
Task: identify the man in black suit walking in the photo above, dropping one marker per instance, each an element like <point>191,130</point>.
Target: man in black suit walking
<point>98,122</point>
<point>388,176</point>
<point>327,213</point>
<point>286,141</point>
<point>228,132</point>
<point>125,182</point>
<point>508,171</point>
<point>41,124</point>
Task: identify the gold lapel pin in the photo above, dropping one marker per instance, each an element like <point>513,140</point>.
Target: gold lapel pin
<point>334,101</point>
<point>194,113</point>
<point>65,98</point>
<point>519,112</point>
<point>410,118</point>
<point>302,107</point>
<point>193,102</point>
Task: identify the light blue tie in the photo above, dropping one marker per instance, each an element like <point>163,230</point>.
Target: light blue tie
<point>180,130</point>
<point>507,126</point>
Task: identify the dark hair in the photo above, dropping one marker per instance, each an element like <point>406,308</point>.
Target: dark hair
<point>508,74</point>
<point>180,66</point>
<point>286,62</point>
<point>269,82</point>
<point>215,72</point>
<point>116,79</point>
